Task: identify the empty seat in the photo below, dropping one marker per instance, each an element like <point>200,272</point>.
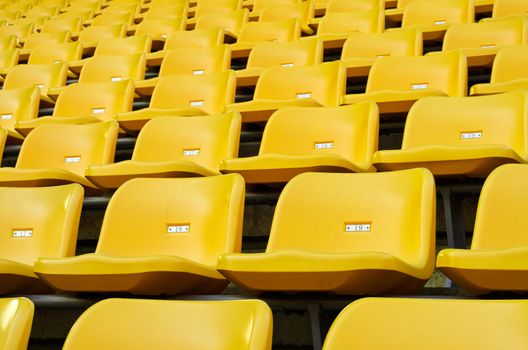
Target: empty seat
<point>8,59</point>
<point>277,87</point>
<point>18,316</point>
<point>395,15</point>
<point>304,52</point>
<point>347,234</point>
<point>216,6</point>
<point>54,53</point>
<point>504,8</point>
<point>303,11</point>
<point>194,61</point>
<point>395,83</point>
<point>467,136</point>
<point>41,221</point>
<point>72,25</point>
<point>15,105</point>
<point>175,147</point>
<point>361,50</point>
<point>509,72</point>
<point>434,324</point>
<point>174,230</point>
<point>339,139</point>
<point>8,42</point>
<point>184,95</point>
<point>479,42</point>
<point>164,12</point>
<point>353,6</point>
<point>496,260</point>
<point>231,22</point>
<point>21,31</point>
<point>92,36</point>
<point>113,18</point>
<point>160,29</point>
<point>83,103</point>
<point>222,325</point>
<point>37,39</point>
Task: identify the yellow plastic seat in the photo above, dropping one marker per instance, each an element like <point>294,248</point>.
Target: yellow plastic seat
<point>345,234</point>
<point>305,52</point>
<point>395,15</point>
<point>321,85</point>
<point>113,18</point>
<point>194,61</point>
<point>44,76</point>
<point>353,6</point>
<point>253,33</point>
<point>15,105</point>
<point>467,136</point>
<point>505,8</point>
<point>303,11</point>
<point>37,39</point>
<point>222,325</point>
<point>215,6</point>
<point>8,42</point>
<point>496,260</point>
<point>335,28</point>
<point>160,29</point>
<point>175,147</point>
<point>93,35</point>
<point>54,53</point>
<point>479,42</point>
<point>17,316</point>
<point>396,83</point>
<point>338,139</point>
<point>257,6</point>
<point>434,324</point>
<point>84,103</point>
<point>174,230</point>
<point>509,72</point>
<point>184,95</point>
<point>83,13</point>
<point>8,59</point>
<point>40,221</point>
<point>231,22</point>
<point>73,25</point>
<point>21,31</point>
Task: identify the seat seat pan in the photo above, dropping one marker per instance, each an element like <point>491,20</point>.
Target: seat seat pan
<point>261,110</point>
<point>19,278</point>
<point>134,121</point>
<point>476,161</point>
<point>136,275</point>
<point>346,273</point>
<point>497,88</point>
<point>279,168</point>
<point>18,177</point>
<point>112,176</point>
<point>24,127</point>
<point>248,76</point>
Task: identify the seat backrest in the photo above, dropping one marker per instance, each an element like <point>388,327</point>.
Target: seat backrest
<point>209,92</point>
<point>93,35</point>
<point>40,75</point>
<point>510,64</point>
<point>17,314</point>
<point>376,45</point>
<point>61,25</point>
<point>259,5</point>
<point>203,140</point>
<point>391,213</point>
<point>39,222</point>
<point>370,21</point>
<point>100,69</point>
<point>162,3</point>
<point>8,42</point>
<point>500,223</point>
<point>502,8</point>
<point>37,39</point>
<point>303,11</point>
<point>17,105</point>
<point>354,6</point>
<point>217,6</point>
<point>166,12</point>
<point>349,131</point>
<point>193,218</point>
<point>113,18</point>
<point>434,324</point>
<point>255,32</point>
<point>222,325</point>
<point>484,34</point>
<point>198,38</point>
<point>84,13</point>
<point>469,121</point>
<point>160,27</point>
<point>53,53</point>
<point>9,58</point>
<point>101,100</point>
<point>124,46</point>
<point>442,12</point>
<point>444,71</point>
<point>21,31</point>
<point>304,52</point>
<point>231,21</point>
<point>69,147</point>
<point>196,61</point>
<point>324,83</point>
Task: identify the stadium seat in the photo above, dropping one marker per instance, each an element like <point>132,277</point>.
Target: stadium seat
<point>346,234</point>
<point>83,103</point>
<point>497,258</point>
<point>8,42</point>
<point>335,28</point>
<point>83,13</point>
<point>395,15</point>
<point>57,154</point>
<point>353,6</point>
<point>73,25</point>
<point>321,85</point>
<point>505,8</point>
<point>253,33</point>
<point>194,61</point>
<point>215,6</point>
<point>509,72</point>
<point>305,52</point>
<point>175,147</point>
<point>43,76</point>
<point>159,236</point>
<point>159,29</point>
<point>395,83</point>
<point>222,325</point>
<point>303,11</point>
<point>339,139</point>
<point>92,36</point>
<point>54,53</point>
<point>21,31</point>
<point>114,18</point>
<point>361,50</point>
<point>479,42</point>
<point>231,22</point>
<point>40,221</point>
<point>17,317</point>
<point>8,59</point>
<point>464,136</point>
<point>434,324</point>
<point>37,39</point>
<point>184,95</point>
<point>17,104</point>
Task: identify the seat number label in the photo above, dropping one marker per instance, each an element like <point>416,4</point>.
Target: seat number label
<point>191,152</point>
<point>22,233</point>
<point>357,227</point>
<point>98,110</point>
<point>324,145</point>
<point>6,116</point>
<point>183,228</point>
<point>442,21</point>
<point>116,79</point>
<point>304,95</point>
<point>197,103</point>
<point>421,86</point>
<point>198,72</point>
<point>72,159</point>
<point>287,64</point>
<point>487,46</point>
<point>471,135</point>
